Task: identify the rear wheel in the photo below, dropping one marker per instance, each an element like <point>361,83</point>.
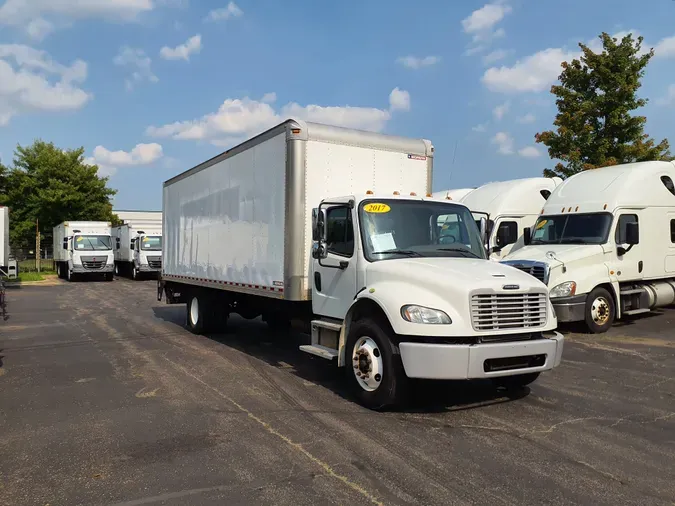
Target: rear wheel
<point>117,269</point>
<point>58,270</point>
<point>201,317</point>
<point>600,311</point>
<point>373,366</point>
<point>515,382</point>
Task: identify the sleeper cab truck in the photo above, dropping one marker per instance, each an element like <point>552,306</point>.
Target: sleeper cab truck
<point>309,224</point>
<point>83,249</point>
<point>138,249</point>
<point>509,208</point>
<point>605,244</point>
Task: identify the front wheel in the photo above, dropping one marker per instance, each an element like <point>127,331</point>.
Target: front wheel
<point>599,312</point>
<point>134,273</point>
<point>109,276</point>
<point>373,366</point>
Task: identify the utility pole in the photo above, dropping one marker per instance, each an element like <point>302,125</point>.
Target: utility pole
<point>37,244</point>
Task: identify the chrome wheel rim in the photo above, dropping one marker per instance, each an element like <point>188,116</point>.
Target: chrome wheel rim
<point>600,311</point>
<point>367,364</point>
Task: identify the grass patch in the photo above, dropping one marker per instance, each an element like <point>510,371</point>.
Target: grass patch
<point>31,276</point>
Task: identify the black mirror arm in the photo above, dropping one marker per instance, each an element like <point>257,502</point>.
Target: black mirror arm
<point>621,251</point>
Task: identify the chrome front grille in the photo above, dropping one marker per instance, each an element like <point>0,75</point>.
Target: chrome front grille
<point>155,262</point>
<point>93,263</point>
<point>538,270</point>
<point>508,311</point>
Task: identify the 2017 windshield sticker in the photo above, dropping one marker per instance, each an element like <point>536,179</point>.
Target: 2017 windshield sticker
<point>541,224</point>
<point>376,208</point>
<point>80,239</point>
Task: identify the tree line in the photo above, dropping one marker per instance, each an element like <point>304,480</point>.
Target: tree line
<point>594,127</point>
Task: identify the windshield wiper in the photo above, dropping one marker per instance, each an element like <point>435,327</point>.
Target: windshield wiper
<point>461,250</point>
<point>407,252</point>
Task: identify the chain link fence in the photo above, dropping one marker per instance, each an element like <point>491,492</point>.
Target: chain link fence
<point>27,260</point>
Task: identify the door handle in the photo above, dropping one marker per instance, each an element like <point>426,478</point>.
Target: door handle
<point>317,281</point>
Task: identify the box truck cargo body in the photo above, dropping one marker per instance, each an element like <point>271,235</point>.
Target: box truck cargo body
<point>336,230</point>
<point>138,248</point>
<point>83,248</point>
<point>605,243</point>
<point>4,238</point>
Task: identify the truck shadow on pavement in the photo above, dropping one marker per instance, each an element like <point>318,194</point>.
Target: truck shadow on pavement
<point>255,339</point>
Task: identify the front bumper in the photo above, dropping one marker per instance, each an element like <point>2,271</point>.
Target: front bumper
<point>570,309</point>
<point>78,269</point>
<point>461,362</point>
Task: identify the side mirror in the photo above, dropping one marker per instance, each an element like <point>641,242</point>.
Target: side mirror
<point>482,225</point>
<point>65,244</point>
<point>319,251</point>
<point>632,233</point>
<point>318,224</point>
<point>527,236</point>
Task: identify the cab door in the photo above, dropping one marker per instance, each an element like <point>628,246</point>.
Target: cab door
<point>630,260</point>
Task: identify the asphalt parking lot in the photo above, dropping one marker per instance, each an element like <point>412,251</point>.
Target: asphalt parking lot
<point>106,399</point>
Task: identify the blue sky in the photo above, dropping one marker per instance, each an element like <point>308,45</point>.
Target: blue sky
<point>152,87</point>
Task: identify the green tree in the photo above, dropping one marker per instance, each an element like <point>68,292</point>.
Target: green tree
<point>52,185</point>
<point>594,126</point>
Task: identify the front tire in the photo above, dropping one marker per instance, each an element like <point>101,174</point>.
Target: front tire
<point>134,273</point>
<point>59,274</point>
<point>109,276</point>
<point>373,366</point>
<point>69,274</point>
<point>600,311</point>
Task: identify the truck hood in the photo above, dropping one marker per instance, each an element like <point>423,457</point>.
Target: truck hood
<point>567,253</point>
<point>463,274</point>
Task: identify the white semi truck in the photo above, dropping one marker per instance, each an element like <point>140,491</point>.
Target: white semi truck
<point>138,245</point>
<point>455,194</point>
<point>605,243</point>
<point>83,249</point>
<point>335,229</point>
<point>509,207</point>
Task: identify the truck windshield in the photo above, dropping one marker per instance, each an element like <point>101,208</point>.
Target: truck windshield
<point>591,228</point>
<point>151,243</point>
<point>410,228</point>
<point>92,242</point>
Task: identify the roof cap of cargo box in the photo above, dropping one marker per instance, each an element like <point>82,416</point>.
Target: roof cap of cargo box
<point>636,185</point>
<point>517,197</point>
<point>298,129</point>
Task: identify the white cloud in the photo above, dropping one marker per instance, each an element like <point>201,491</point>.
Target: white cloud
<point>495,56</point>
<point>504,143</point>
<point>540,70</point>
<point>482,127</point>
<point>414,62</point>
<point>529,152</point>
<point>237,119</point>
<point>223,14</point>
<point>527,118</point>
<point>481,23</point>
<point>40,17</point>
<point>138,63</point>
<point>665,48</point>
<point>669,98</point>
<point>109,161</point>
<point>183,51</point>
<point>499,111</point>
<point>31,81</point>
<point>399,100</point>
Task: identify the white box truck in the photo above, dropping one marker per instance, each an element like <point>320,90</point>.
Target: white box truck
<point>83,248</point>
<point>509,207</point>
<point>605,243</point>
<point>138,247</point>
<point>335,229</point>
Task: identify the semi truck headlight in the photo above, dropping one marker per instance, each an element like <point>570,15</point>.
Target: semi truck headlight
<point>421,314</point>
<point>563,289</point>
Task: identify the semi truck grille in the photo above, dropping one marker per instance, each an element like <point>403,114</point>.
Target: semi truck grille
<point>535,269</point>
<point>155,262</point>
<point>508,311</point>
<point>93,263</point>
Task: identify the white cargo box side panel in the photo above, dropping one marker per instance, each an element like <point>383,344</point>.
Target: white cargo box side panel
<point>124,253</point>
<point>4,236</point>
<point>226,223</point>
<point>342,169</point>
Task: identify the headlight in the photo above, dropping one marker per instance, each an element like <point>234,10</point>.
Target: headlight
<point>421,314</point>
<point>563,289</point>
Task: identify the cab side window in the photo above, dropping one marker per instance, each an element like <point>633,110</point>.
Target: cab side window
<point>672,231</point>
<point>509,231</point>
<point>624,219</point>
<point>339,231</point>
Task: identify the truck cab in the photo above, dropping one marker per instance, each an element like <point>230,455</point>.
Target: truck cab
<point>88,253</point>
<point>147,257</point>
<point>410,274</point>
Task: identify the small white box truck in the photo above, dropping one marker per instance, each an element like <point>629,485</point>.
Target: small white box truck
<point>138,246</point>
<point>335,230</point>
<point>83,249</point>
<point>509,207</point>
<point>605,243</point>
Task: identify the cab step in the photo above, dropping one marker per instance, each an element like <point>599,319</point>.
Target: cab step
<point>319,351</point>
<point>631,291</point>
<point>637,311</point>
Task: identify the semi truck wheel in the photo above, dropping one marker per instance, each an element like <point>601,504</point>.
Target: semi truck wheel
<point>600,311</point>
<point>200,318</point>
<point>373,366</point>
<point>514,382</point>
<point>117,269</point>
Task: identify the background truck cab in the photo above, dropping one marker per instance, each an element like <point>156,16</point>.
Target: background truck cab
<point>605,243</point>
<point>83,248</point>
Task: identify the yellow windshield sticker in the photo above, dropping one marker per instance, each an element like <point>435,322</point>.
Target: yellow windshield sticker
<point>80,239</point>
<point>541,224</point>
<point>146,239</point>
<point>376,208</point>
